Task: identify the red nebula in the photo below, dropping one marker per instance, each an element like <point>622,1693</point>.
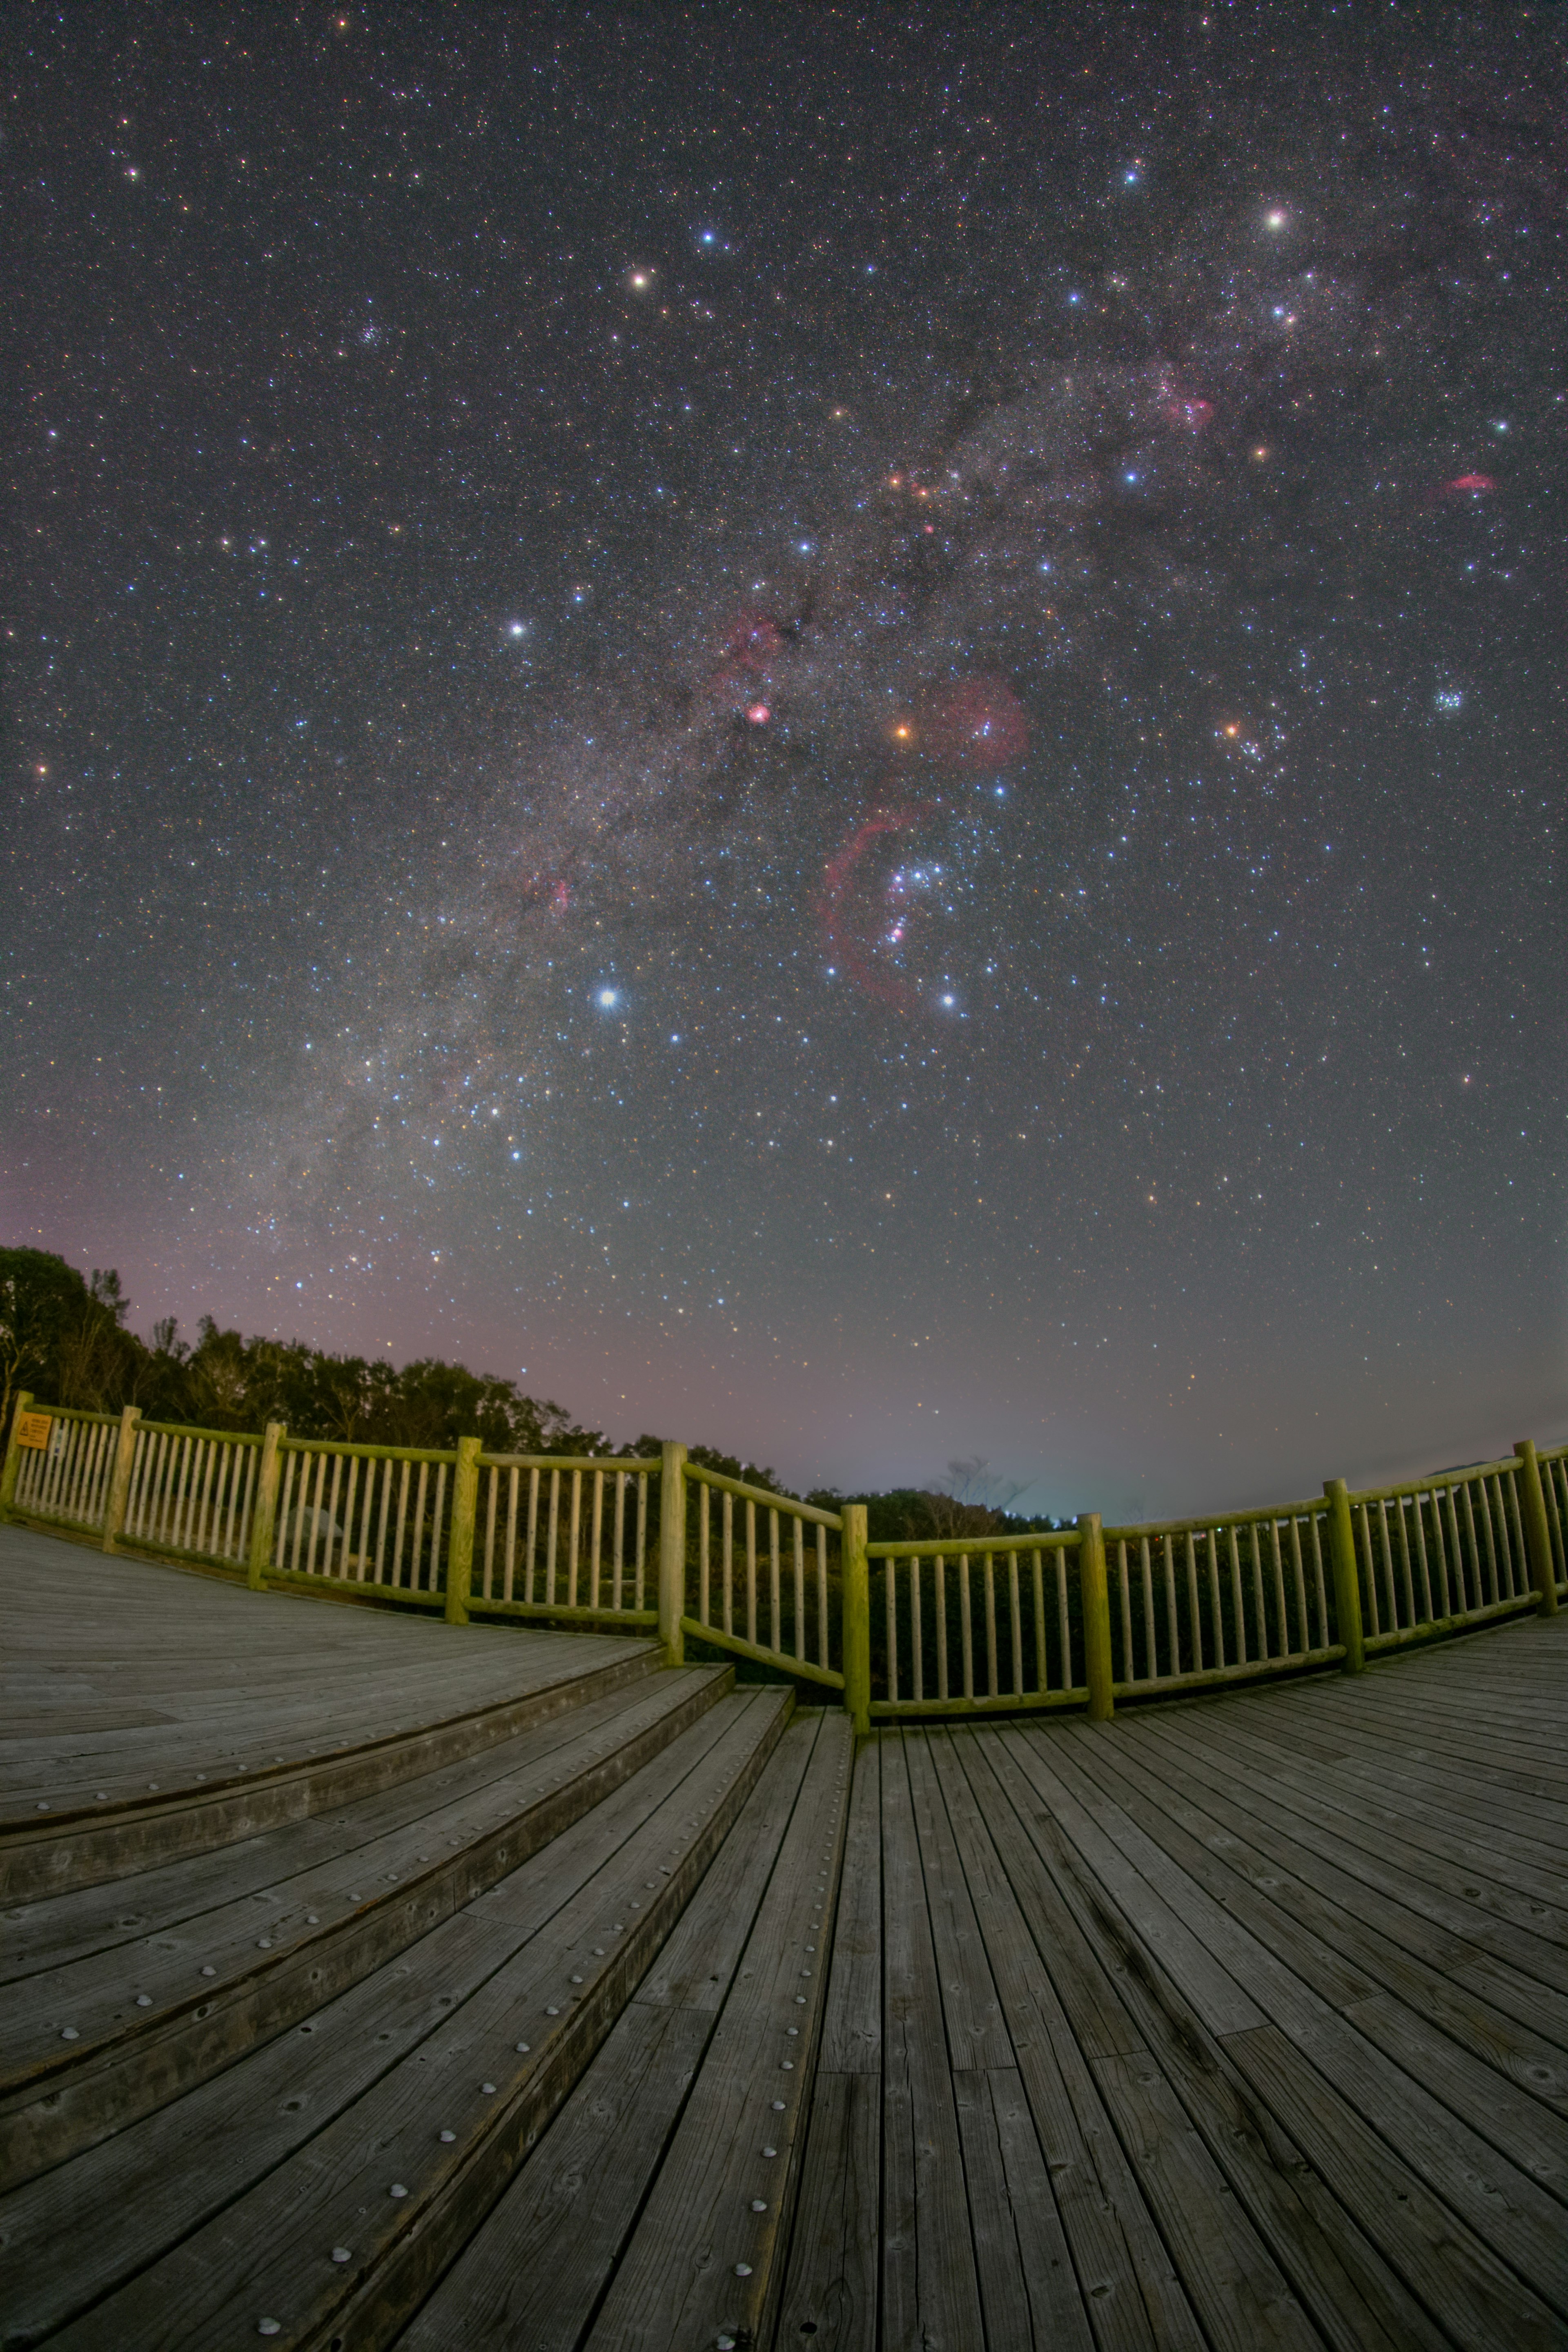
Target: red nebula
<point>1194,413</point>
<point>753,643</point>
<point>758,713</point>
<point>1462,482</point>
<point>561,895</point>
<point>839,928</point>
<point>979,723</point>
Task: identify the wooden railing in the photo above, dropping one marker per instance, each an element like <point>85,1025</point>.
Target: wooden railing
<point>972,1625</point>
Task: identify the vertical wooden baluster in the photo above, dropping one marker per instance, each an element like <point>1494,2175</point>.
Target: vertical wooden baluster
<point>280,1526</point>
<point>1407,1584</point>
<point>492,1512</point>
<point>621,1534</point>
<point>1236,1599</point>
<point>1042,1662</point>
<point>574,1538</point>
<point>1518,1560</point>
<point>349,1493</point>
<point>1299,1582</point>
<point>966,1624</point>
<point>823,1658</point>
<point>1421,1557</point>
<point>891,1613</point>
<point>1210,1554</point>
<point>397,1576</point>
<point>1064,1622</point>
<point>417,1550</point>
<point>1151,1640</point>
<point>703,1573</point>
<point>988,1570</point>
<point>435,1520</point>
<point>799,1543</point>
<point>1385,1552</point>
<point>140,1457</point>
<point>1129,1667</point>
<point>774,1630</point>
<point>941,1683</point>
<point>1460,1578</point>
<point>1264,1649</point>
<point>302,1506</point>
<point>324,1567</point>
<point>752,1572</point>
<point>175,1523</point>
<point>366,1514</point>
<point>388,1469</point>
<point>1440,1546</point>
<point>598,1538</point>
<point>508,1555</point>
<point>1319,1595</point>
<point>1492,1590</point>
<point>642,1536</point>
<point>1279,1587</point>
<point>727,1537</point>
<point>1194,1621</point>
<point>917,1645</point>
<point>1016,1624</point>
<point>1173,1634</point>
<point>530,1557</point>
<point>551,1540</point>
<point>1362,1524</point>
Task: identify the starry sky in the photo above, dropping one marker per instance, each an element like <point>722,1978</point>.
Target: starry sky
<point>837,731</point>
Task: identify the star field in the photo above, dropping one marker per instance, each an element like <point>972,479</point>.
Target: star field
<point>840,733</point>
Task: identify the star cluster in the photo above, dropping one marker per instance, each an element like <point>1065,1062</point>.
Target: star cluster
<point>846,732</point>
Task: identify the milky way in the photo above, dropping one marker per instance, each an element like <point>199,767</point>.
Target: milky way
<point>852,738</point>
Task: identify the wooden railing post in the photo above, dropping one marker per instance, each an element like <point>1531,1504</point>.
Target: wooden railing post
<point>263,1510</point>
<point>1537,1533</point>
<point>1095,1596</point>
<point>854,1583</point>
<point>672,1552</point>
<point>120,1479</point>
<point>19,1403</point>
<point>1347,1583</point>
<point>460,1534</point>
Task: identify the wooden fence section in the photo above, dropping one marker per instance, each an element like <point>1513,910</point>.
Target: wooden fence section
<point>191,1491</point>
<point>797,1633</point>
<point>992,1624</point>
<point>67,1478</point>
<point>1234,1594</point>
<point>563,1537</point>
<point>986,1627</point>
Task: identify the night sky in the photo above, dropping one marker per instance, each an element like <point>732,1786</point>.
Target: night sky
<point>838,732</point>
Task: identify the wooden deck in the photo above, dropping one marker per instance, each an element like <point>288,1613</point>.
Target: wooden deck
<point>1236,2022</point>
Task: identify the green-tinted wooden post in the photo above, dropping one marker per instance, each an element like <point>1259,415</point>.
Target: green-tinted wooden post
<point>672,1552</point>
<point>120,1479</point>
<point>856,1587</point>
<point>1095,1594</point>
<point>460,1538</point>
<point>22,1399</point>
<point>1347,1583</point>
<point>263,1510</point>
<point>1537,1533</point>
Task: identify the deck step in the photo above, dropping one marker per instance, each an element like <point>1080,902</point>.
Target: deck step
<point>126,1995</point>
<point>73,1838</point>
<point>655,2211</point>
<point>327,2178</point>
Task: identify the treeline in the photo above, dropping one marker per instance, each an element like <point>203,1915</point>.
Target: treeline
<point>63,1337</point>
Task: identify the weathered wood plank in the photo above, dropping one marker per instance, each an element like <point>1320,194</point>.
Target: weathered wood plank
<point>1062,2013</point>
<point>707,2256</point>
<point>534,2272</point>
<point>245,2198</point>
<point>831,2276</point>
<point>930,2293</point>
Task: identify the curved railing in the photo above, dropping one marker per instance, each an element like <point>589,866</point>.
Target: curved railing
<point>973,1625</point>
